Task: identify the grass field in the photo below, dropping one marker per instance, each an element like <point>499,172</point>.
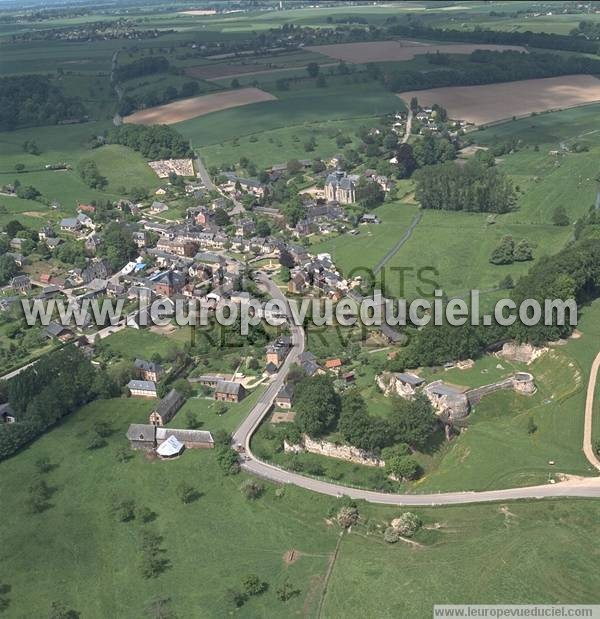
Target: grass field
<point>88,560</point>
<point>122,167</point>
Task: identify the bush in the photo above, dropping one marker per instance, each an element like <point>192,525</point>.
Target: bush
<point>124,510</point>
<point>407,524</point>
<point>253,585</point>
<point>251,489</point>
<point>390,535</point>
<point>347,516</point>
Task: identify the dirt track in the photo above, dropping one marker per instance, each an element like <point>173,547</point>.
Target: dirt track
<point>384,51</point>
<point>493,102</point>
<point>198,106</point>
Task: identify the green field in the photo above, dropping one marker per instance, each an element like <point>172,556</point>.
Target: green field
<point>88,560</point>
<point>122,167</point>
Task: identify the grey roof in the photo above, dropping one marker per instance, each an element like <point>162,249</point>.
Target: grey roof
<point>287,391</point>
<point>228,387</point>
<point>55,329</point>
<point>147,366</point>
<point>410,379</point>
<point>141,432</point>
<point>142,385</point>
<point>191,436</point>
<point>391,334</point>
<point>169,405</point>
<point>69,222</point>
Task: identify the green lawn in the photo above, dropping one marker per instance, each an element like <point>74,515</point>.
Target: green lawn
<point>122,167</point>
<point>85,558</point>
<point>143,343</point>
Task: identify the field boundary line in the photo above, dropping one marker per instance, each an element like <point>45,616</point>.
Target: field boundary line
<point>588,448</point>
<point>407,234</point>
<point>328,575</point>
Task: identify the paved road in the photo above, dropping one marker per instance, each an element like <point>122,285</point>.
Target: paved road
<point>588,487</point>
<point>243,434</point>
<point>588,448</point>
<point>204,175</point>
<point>408,129</point>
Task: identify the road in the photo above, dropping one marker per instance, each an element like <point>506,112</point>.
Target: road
<point>408,129</point>
<point>243,434</point>
<point>588,448</point>
<point>204,175</point>
<point>587,487</point>
<point>392,252</point>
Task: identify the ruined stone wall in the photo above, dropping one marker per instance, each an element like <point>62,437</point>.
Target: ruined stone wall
<point>341,452</point>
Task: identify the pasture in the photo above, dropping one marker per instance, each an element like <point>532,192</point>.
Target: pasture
<point>494,102</point>
<point>186,109</point>
<point>90,561</point>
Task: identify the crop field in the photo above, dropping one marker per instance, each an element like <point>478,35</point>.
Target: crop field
<point>493,102</point>
<point>387,51</point>
<point>291,109</point>
<point>186,109</point>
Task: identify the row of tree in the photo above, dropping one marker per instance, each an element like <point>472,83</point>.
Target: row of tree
<point>473,187</point>
<point>32,100</point>
<point>58,384</point>
<point>153,142</point>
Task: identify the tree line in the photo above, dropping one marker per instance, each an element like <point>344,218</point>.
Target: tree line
<point>471,187</point>
<point>488,67</point>
<point>41,395</point>
<point>146,65</point>
<point>541,40</point>
<point>153,142</point>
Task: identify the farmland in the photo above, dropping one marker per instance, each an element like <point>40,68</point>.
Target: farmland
<point>388,51</point>
<point>198,106</point>
<point>486,104</point>
<point>254,536</point>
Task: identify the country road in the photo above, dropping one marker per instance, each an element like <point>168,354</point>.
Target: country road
<point>203,174</point>
<point>588,448</point>
<point>587,487</point>
<point>408,129</point>
<point>396,247</point>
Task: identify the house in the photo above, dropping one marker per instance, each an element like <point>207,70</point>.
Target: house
<point>211,380</point>
<point>142,388</point>
<point>158,207</point>
<point>96,269</point>
<point>140,238</point>
<point>391,335</point>
<point>70,224</point>
<point>148,370</point>
<point>168,283</point>
<point>141,436</point>
<point>166,408</point>
<point>333,364</point>
<point>228,391</point>
<point>21,284</point>
<point>297,283</point>
<point>54,329</point>
<point>308,362</point>
<point>285,397</point>
<point>339,187</point>
<point>86,208</point>
<point>370,218</point>
<point>46,232</point>
<point>278,351</point>
<point>7,414</point>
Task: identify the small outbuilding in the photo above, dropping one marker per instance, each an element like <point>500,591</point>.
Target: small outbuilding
<point>170,448</point>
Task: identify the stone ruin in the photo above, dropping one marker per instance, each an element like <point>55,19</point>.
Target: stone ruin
<point>332,450</point>
<point>524,353</point>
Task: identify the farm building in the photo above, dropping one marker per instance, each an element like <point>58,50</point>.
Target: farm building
<point>142,388</point>
<point>228,391</point>
<point>170,448</point>
<point>166,408</point>
<point>147,436</point>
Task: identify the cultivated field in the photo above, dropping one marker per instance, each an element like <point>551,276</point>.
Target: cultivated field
<point>388,51</point>
<point>493,102</point>
<point>198,106</point>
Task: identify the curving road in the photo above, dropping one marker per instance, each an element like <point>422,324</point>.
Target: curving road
<point>588,448</point>
<point>587,487</point>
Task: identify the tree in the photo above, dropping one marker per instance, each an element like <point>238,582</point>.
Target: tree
<point>286,590</point>
<point>159,608</point>
<point>347,516</point>
<point>124,510</point>
<point>369,193</point>
<point>294,166</point>
<point>252,489</point>
<point>317,405</point>
<point>43,465</point>
<point>286,259</point>
<point>153,562</point>
<point>391,536</point>
<point>263,228</point>
<point>145,514</point>
<point>19,167</point>
<point>235,598</point>
<point>523,251</point>
<point>504,252</point>
<point>221,217</point>
<point>186,493</point>
<point>403,467</point>
<point>192,421</point>
<point>560,217</point>
<point>531,426</point>
<point>8,269</point>
<point>413,421</point>
<point>39,494</point>
<point>414,104</point>
<point>253,585</point>
<point>312,68</point>
<point>235,83</point>
<point>228,459</point>
<point>59,610</point>
<point>89,174</point>
<point>407,524</point>
<point>285,275</point>
<point>183,387</point>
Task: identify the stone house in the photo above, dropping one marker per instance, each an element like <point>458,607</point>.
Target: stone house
<point>165,410</point>
<point>228,391</point>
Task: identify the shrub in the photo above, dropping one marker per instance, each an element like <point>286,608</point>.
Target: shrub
<point>252,489</point>
<point>347,516</point>
<point>390,535</point>
<point>407,524</point>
